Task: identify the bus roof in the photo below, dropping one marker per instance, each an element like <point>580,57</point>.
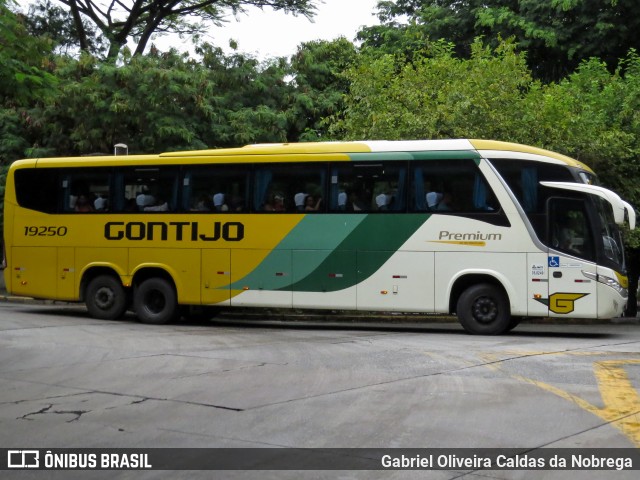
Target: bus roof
<point>493,145</point>
<point>337,151</point>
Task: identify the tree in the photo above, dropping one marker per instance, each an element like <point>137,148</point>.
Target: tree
<point>556,34</point>
<point>47,20</point>
<point>25,81</point>
<point>439,95</point>
<point>121,20</point>
<point>166,101</point>
<point>22,57</point>
<point>319,87</point>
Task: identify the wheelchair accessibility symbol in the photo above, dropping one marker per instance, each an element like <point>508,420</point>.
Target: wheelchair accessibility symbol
<point>554,261</point>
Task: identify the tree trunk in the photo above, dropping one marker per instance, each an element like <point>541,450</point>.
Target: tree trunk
<point>77,21</point>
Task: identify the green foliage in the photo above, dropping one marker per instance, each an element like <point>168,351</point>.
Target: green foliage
<point>556,34</point>
<point>437,96</point>
<point>167,101</point>
<point>25,82</point>
<point>23,61</point>
<point>151,103</point>
<point>319,87</point>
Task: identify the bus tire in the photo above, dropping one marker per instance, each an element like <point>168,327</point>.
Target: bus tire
<point>155,301</point>
<point>105,298</point>
<point>483,309</point>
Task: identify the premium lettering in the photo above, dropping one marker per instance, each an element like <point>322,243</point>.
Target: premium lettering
<point>179,231</point>
<point>445,235</point>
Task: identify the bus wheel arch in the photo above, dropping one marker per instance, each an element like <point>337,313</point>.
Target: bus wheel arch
<point>155,298</point>
<point>103,293</point>
<point>482,305</point>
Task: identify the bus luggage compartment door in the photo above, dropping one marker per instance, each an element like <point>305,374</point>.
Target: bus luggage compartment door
<point>261,278</point>
<point>216,276</point>
<point>34,272</point>
<point>66,274</point>
<point>396,281</point>
<point>324,279</point>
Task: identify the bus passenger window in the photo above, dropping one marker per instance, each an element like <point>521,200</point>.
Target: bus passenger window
<point>152,189</point>
<point>451,186</point>
<point>215,188</point>
<point>367,187</point>
<point>85,191</point>
<point>287,188</point>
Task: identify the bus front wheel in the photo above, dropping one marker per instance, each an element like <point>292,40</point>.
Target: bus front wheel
<point>155,302</point>
<point>105,298</point>
<point>484,310</point>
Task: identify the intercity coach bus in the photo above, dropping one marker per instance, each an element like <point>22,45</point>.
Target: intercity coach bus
<point>490,231</point>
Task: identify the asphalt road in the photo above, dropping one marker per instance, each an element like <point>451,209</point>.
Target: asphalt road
<point>70,381</point>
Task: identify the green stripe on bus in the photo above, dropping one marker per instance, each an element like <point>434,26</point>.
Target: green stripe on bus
<point>320,234</point>
<point>361,254</point>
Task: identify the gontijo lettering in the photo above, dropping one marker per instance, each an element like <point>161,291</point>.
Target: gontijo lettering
<point>179,231</point>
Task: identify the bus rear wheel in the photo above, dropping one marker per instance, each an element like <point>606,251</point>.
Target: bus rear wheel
<point>105,298</point>
<point>155,301</point>
<point>484,310</point>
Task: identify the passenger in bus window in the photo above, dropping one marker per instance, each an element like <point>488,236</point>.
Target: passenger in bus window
<point>218,203</point>
<point>357,203</point>
<point>82,204</point>
<point>433,199</point>
<point>275,205</point>
<point>382,202</point>
<point>446,204</point>
<point>300,201</point>
<point>145,200</point>
<point>311,205</point>
<point>100,203</point>
<point>236,204</point>
<point>160,206</point>
<point>203,204</point>
<point>342,200</point>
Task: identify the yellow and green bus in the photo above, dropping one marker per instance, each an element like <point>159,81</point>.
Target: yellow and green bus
<point>490,231</point>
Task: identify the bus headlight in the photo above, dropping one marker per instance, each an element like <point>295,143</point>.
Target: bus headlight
<point>608,281</point>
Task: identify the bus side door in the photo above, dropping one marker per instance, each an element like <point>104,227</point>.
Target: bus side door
<point>571,252</point>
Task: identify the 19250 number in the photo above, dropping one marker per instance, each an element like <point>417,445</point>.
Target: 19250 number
<point>43,231</point>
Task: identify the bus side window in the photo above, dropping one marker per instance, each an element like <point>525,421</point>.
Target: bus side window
<point>215,188</point>
<point>368,187</point>
<point>85,191</point>
<point>289,188</point>
<point>450,186</point>
<point>148,189</point>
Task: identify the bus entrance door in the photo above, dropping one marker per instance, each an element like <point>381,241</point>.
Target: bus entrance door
<point>571,258</point>
<point>570,291</point>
